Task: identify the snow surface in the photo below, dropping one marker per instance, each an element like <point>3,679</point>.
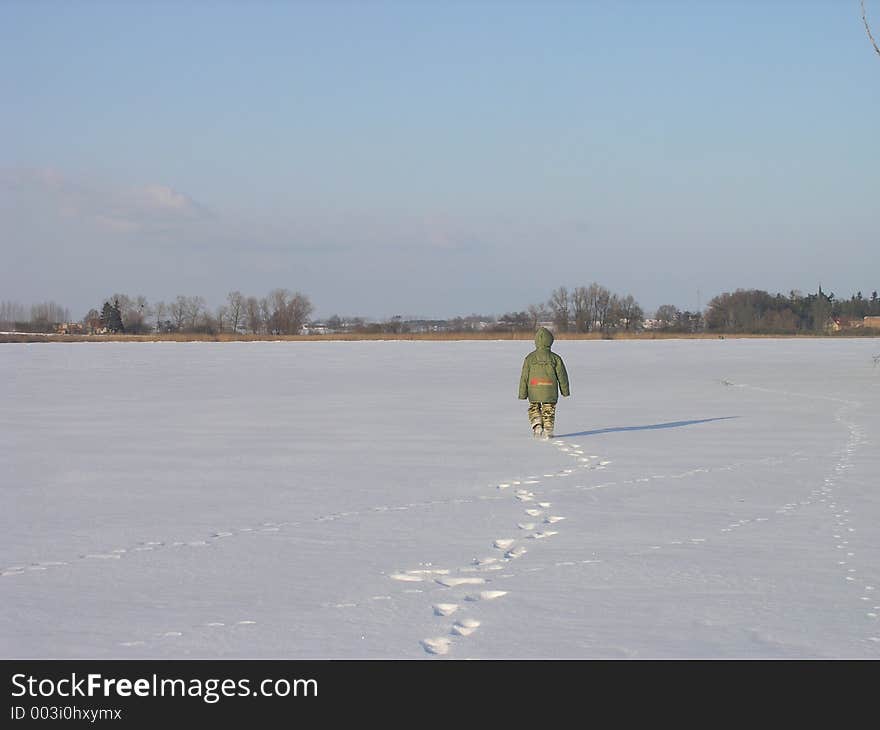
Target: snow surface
<point>704,498</point>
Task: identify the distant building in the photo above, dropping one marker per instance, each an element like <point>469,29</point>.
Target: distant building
<point>69,328</point>
<point>845,323</point>
<point>317,329</point>
<point>873,322</point>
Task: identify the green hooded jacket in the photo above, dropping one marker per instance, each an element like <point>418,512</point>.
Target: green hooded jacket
<point>543,373</point>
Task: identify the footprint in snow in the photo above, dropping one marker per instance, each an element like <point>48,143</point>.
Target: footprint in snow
<point>465,627</point>
<point>439,645</point>
<point>406,577</point>
<point>485,596</point>
<point>494,566</point>
<point>450,582</point>
<point>444,609</point>
<point>485,561</point>
<point>503,543</point>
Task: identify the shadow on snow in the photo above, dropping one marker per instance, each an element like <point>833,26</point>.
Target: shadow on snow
<point>651,427</point>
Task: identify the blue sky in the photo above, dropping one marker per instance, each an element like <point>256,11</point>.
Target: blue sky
<point>436,158</point>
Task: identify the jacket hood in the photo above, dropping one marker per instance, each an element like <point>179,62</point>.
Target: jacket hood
<point>543,338</point>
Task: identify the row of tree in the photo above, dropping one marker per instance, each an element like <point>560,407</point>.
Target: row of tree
<point>282,312</point>
<point>759,312</point>
<point>592,308</point>
<point>40,317</point>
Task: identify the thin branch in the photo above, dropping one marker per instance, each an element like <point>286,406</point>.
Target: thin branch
<point>868,28</point>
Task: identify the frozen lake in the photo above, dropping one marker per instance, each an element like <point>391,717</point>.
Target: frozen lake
<point>704,498</point>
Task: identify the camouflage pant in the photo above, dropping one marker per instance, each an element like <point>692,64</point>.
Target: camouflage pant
<point>542,414</point>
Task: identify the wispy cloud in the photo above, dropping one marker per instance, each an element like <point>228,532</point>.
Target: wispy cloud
<point>132,209</point>
<point>76,237</point>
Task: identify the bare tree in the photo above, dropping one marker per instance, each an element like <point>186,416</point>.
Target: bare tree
<point>252,315</point>
<point>222,318</point>
<point>160,311</point>
<point>177,309</point>
<point>299,311</point>
<point>289,311</point>
<point>560,307</point>
<point>580,300</point>
<point>47,314</point>
<point>537,313</point>
<point>604,303</point>
<point>629,313</point>
<point>598,307</point>
<point>236,309</point>
<point>195,308</point>
<point>134,312</point>
<point>868,28</point>
<point>10,313</point>
<point>668,315</point>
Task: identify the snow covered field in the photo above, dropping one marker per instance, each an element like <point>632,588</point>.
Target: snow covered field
<point>704,498</point>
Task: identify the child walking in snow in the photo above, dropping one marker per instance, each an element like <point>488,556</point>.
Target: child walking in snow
<point>543,378</point>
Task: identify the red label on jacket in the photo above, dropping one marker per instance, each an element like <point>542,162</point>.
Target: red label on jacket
<point>540,381</point>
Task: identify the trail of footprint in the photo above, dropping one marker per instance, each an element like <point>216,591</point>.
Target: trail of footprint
<point>856,438</point>
<point>441,645</point>
<point>176,634</point>
<point>263,527</point>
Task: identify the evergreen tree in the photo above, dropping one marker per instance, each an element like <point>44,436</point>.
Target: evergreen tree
<point>111,317</point>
